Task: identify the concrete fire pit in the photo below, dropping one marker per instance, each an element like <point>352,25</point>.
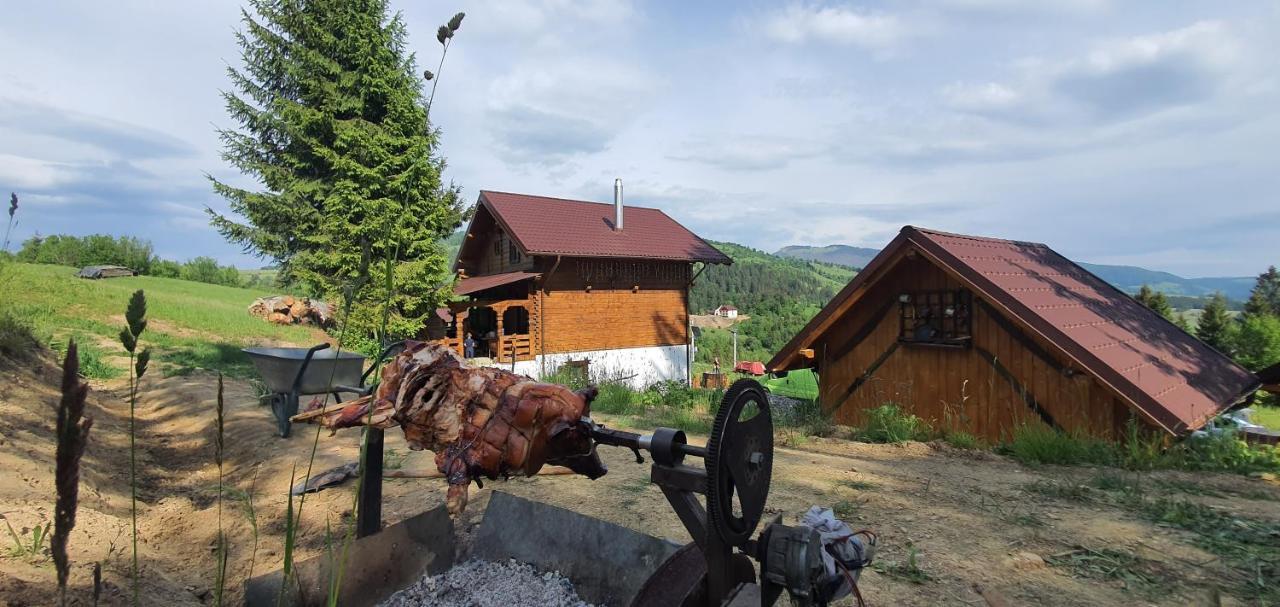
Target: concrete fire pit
<point>606,564</point>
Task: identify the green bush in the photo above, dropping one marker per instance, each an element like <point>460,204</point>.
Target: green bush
<point>1224,452</point>
<point>207,270</point>
<point>888,423</point>
<point>165,268</point>
<point>95,249</point>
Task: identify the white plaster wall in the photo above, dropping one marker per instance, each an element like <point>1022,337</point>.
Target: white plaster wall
<point>638,367</point>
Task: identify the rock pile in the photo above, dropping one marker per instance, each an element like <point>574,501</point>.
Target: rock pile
<point>290,310</point>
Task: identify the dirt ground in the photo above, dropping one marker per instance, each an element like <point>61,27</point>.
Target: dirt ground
<point>968,516</point>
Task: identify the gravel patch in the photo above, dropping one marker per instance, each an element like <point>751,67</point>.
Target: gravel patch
<point>484,584</point>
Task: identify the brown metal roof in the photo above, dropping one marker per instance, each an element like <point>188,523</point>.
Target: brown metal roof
<point>555,226</point>
<point>1173,378</point>
<point>480,283</point>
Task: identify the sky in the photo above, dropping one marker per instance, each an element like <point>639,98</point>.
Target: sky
<point>1124,132</point>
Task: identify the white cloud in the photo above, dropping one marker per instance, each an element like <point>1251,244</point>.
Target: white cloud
<point>545,114</point>
<point>750,153</point>
<point>981,97</point>
<point>543,17</point>
<point>1016,7</point>
<point>1116,80</point>
<point>839,25</point>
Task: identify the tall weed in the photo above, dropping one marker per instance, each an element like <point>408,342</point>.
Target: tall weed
<point>888,423</point>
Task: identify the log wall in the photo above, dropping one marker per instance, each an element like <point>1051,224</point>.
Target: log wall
<point>629,303</point>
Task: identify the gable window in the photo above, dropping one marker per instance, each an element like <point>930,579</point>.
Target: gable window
<point>513,252</point>
<point>497,245</point>
<point>935,317</point>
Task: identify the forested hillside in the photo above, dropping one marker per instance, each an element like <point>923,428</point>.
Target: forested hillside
<point>780,295</point>
<point>842,254</point>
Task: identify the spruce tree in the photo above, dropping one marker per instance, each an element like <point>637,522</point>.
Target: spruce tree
<point>1265,298</point>
<point>334,128</point>
<point>1214,323</point>
<point>1155,300</point>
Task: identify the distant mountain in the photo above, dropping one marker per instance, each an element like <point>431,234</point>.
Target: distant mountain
<point>1131,278</point>
<point>845,255</point>
<point>1126,278</point>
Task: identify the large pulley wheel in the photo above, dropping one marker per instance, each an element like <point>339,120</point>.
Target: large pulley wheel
<point>739,462</point>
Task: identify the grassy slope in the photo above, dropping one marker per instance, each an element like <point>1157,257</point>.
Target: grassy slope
<point>191,324</point>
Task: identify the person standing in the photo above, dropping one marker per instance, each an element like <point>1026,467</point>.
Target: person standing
<point>469,347</point>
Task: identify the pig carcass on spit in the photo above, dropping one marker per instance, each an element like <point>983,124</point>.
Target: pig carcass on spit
<point>478,421</point>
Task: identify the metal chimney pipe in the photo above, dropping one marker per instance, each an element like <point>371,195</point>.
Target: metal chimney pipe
<point>617,204</point>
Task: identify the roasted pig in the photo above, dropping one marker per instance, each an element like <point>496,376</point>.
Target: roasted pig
<point>479,421</point>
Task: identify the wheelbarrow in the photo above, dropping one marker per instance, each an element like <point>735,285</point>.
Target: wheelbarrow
<point>291,372</point>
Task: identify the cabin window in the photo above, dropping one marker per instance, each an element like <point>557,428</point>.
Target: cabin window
<point>513,252</point>
<point>935,317</point>
<point>497,245</point>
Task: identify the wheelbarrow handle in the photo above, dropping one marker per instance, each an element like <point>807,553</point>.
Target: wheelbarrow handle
<point>306,360</point>
<point>386,352</point>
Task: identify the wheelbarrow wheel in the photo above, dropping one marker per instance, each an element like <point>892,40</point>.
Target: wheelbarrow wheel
<point>281,409</point>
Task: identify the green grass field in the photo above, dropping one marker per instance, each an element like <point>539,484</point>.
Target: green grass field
<point>191,324</point>
<point>1267,416</point>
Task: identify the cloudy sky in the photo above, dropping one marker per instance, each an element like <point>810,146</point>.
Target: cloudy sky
<point>1143,133</point>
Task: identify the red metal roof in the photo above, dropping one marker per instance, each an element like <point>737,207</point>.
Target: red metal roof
<point>480,283</point>
<point>750,367</point>
<point>1172,377</point>
<point>555,226</point>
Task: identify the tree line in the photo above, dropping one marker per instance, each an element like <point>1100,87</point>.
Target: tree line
<point>1251,338</point>
<point>133,253</point>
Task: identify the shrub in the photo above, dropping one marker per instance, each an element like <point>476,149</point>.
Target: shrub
<point>1039,444</point>
<point>165,268</point>
<point>888,423</point>
<point>88,250</point>
<point>1223,452</point>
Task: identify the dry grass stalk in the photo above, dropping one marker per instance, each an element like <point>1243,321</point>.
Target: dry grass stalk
<point>73,434</point>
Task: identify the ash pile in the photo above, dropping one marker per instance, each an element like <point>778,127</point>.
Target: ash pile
<point>477,583</point>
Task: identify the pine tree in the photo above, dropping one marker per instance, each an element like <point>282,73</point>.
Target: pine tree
<point>1265,298</point>
<point>333,125</point>
<point>1214,323</point>
<point>1155,300</point>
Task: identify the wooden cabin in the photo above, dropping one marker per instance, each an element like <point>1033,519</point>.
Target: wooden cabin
<point>604,289</point>
<point>984,335</point>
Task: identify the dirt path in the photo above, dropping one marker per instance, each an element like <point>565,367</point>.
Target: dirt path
<point>969,518</point>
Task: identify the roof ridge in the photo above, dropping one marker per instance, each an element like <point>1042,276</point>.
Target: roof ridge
<point>573,200</point>
<point>972,237</point>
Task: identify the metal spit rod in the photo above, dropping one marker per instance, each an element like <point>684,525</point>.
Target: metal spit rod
<point>663,442</point>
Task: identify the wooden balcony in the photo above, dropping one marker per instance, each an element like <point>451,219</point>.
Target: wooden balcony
<point>520,346</point>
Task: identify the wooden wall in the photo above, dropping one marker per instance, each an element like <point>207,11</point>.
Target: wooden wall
<point>956,388</point>
<point>491,252</point>
<point>631,303</point>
